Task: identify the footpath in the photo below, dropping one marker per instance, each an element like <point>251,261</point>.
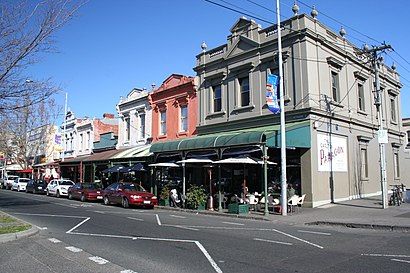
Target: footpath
<point>364,213</point>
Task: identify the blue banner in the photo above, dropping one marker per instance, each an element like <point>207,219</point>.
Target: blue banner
<point>271,93</point>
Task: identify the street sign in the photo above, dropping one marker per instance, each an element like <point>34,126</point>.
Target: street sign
<point>382,136</point>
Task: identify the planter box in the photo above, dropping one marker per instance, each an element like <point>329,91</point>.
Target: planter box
<point>238,208</point>
<point>164,203</point>
<point>200,207</point>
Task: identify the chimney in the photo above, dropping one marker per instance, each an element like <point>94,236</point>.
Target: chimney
<point>106,115</point>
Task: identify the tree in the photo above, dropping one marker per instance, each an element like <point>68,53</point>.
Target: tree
<point>26,30</point>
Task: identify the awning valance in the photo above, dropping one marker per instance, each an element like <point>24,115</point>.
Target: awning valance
<point>298,135</point>
<point>138,151</point>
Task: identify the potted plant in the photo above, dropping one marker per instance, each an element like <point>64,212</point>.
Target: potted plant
<point>196,197</point>
<point>164,196</point>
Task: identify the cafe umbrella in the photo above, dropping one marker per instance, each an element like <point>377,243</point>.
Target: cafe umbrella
<point>114,169</point>
<point>239,160</point>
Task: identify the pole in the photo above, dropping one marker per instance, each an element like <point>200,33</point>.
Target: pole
<point>265,178</point>
<point>284,199</point>
<point>65,127</point>
<point>381,145</point>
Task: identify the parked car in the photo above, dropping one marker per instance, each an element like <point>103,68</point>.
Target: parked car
<point>8,181</point>
<point>128,194</point>
<point>59,187</point>
<point>19,184</point>
<point>85,192</point>
<point>36,186</point>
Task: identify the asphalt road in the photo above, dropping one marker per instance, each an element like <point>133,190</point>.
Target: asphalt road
<point>91,237</point>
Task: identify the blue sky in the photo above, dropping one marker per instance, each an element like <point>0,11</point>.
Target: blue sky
<point>113,46</point>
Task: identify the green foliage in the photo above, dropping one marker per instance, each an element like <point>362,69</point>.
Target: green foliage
<point>196,195</point>
<point>164,195</point>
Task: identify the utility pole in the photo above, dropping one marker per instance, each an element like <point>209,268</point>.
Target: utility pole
<point>378,103</point>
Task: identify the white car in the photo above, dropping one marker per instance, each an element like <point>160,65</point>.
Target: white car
<point>8,181</point>
<point>59,187</point>
<point>19,184</point>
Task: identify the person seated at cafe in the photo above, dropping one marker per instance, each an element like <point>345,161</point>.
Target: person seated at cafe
<point>290,191</point>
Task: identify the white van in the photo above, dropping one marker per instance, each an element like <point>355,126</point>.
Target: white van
<point>8,182</point>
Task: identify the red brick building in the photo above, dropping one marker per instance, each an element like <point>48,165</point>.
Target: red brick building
<point>174,108</point>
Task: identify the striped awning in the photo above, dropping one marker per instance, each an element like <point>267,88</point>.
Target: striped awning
<point>138,151</point>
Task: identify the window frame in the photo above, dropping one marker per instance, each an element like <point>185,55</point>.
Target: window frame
<point>163,122</point>
<point>361,99</point>
<point>183,119</point>
<point>215,100</point>
<point>244,93</point>
<point>142,124</point>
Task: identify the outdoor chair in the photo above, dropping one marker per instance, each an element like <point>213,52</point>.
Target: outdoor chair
<point>253,201</point>
<point>292,203</point>
<point>301,199</point>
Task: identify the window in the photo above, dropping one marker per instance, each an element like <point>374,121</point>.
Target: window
<point>142,126</point>
<point>396,164</point>
<point>335,87</point>
<point>127,128</point>
<point>408,139</point>
<point>81,142</point>
<point>393,109</point>
<point>217,98</point>
<point>183,124</point>
<point>163,123</point>
<point>244,91</point>
<point>360,96</point>
<point>88,140</point>
<point>364,163</point>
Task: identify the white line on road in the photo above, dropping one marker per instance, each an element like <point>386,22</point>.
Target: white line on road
<point>98,260</point>
<point>97,211</point>
<point>178,216</point>
<point>41,228</point>
<point>184,227</point>
<point>402,261</point>
<point>136,219</point>
<point>231,223</point>
<point>54,240</point>
<point>213,263</point>
<point>158,220</point>
<point>386,255</point>
<point>128,271</point>
<point>73,249</point>
<point>270,241</point>
<point>82,222</point>
<point>51,215</point>
<point>299,239</point>
<point>315,232</point>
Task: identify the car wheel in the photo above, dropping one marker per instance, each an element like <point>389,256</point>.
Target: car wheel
<point>106,200</point>
<point>47,193</point>
<point>82,197</point>
<point>58,194</point>
<point>70,196</point>
<point>34,191</point>
<point>125,203</point>
<point>18,188</point>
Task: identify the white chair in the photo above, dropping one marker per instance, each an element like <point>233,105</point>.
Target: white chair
<point>253,201</point>
<point>292,203</point>
<point>301,199</point>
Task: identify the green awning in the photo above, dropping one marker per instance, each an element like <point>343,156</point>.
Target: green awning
<point>261,135</point>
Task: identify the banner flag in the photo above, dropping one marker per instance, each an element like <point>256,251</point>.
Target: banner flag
<point>271,93</point>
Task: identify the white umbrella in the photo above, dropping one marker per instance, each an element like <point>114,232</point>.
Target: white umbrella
<point>164,164</point>
<point>239,160</point>
<point>195,160</point>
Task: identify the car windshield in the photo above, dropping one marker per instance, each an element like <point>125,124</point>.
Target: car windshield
<point>40,182</point>
<point>133,187</point>
<point>24,180</point>
<point>91,187</point>
<point>66,183</point>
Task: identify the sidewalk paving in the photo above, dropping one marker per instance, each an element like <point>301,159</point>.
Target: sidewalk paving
<point>360,213</point>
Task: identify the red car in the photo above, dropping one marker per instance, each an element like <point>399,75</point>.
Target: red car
<point>85,192</point>
<point>129,194</point>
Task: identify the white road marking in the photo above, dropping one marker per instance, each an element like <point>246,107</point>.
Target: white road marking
<point>213,263</point>
<point>73,249</point>
<point>41,228</point>
<point>136,219</point>
<point>299,239</point>
<point>128,271</point>
<point>178,216</point>
<point>386,255</point>
<point>158,220</point>
<point>270,241</point>
<point>231,223</point>
<point>54,240</point>
<point>315,232</point>
<point>402,261</point>
<point>96,211</point>
<point>184,227</point>
<point>82,222</point>
<point>98,260</point>
<point>51,215</point>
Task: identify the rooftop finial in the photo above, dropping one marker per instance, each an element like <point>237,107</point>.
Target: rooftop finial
<point>295,8</point>
<point>203,46</point>
<point>314,13</point>
<point>342,32</point>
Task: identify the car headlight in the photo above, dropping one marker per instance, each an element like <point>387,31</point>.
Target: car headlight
<point>136,196</point>
<point>154,197</point>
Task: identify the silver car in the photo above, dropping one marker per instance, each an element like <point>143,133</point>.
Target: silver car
<point>59,187</point>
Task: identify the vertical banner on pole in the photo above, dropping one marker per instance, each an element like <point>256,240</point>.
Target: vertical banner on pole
<point>271,93</point>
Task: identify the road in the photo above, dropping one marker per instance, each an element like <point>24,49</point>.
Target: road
<point>91,237</point>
